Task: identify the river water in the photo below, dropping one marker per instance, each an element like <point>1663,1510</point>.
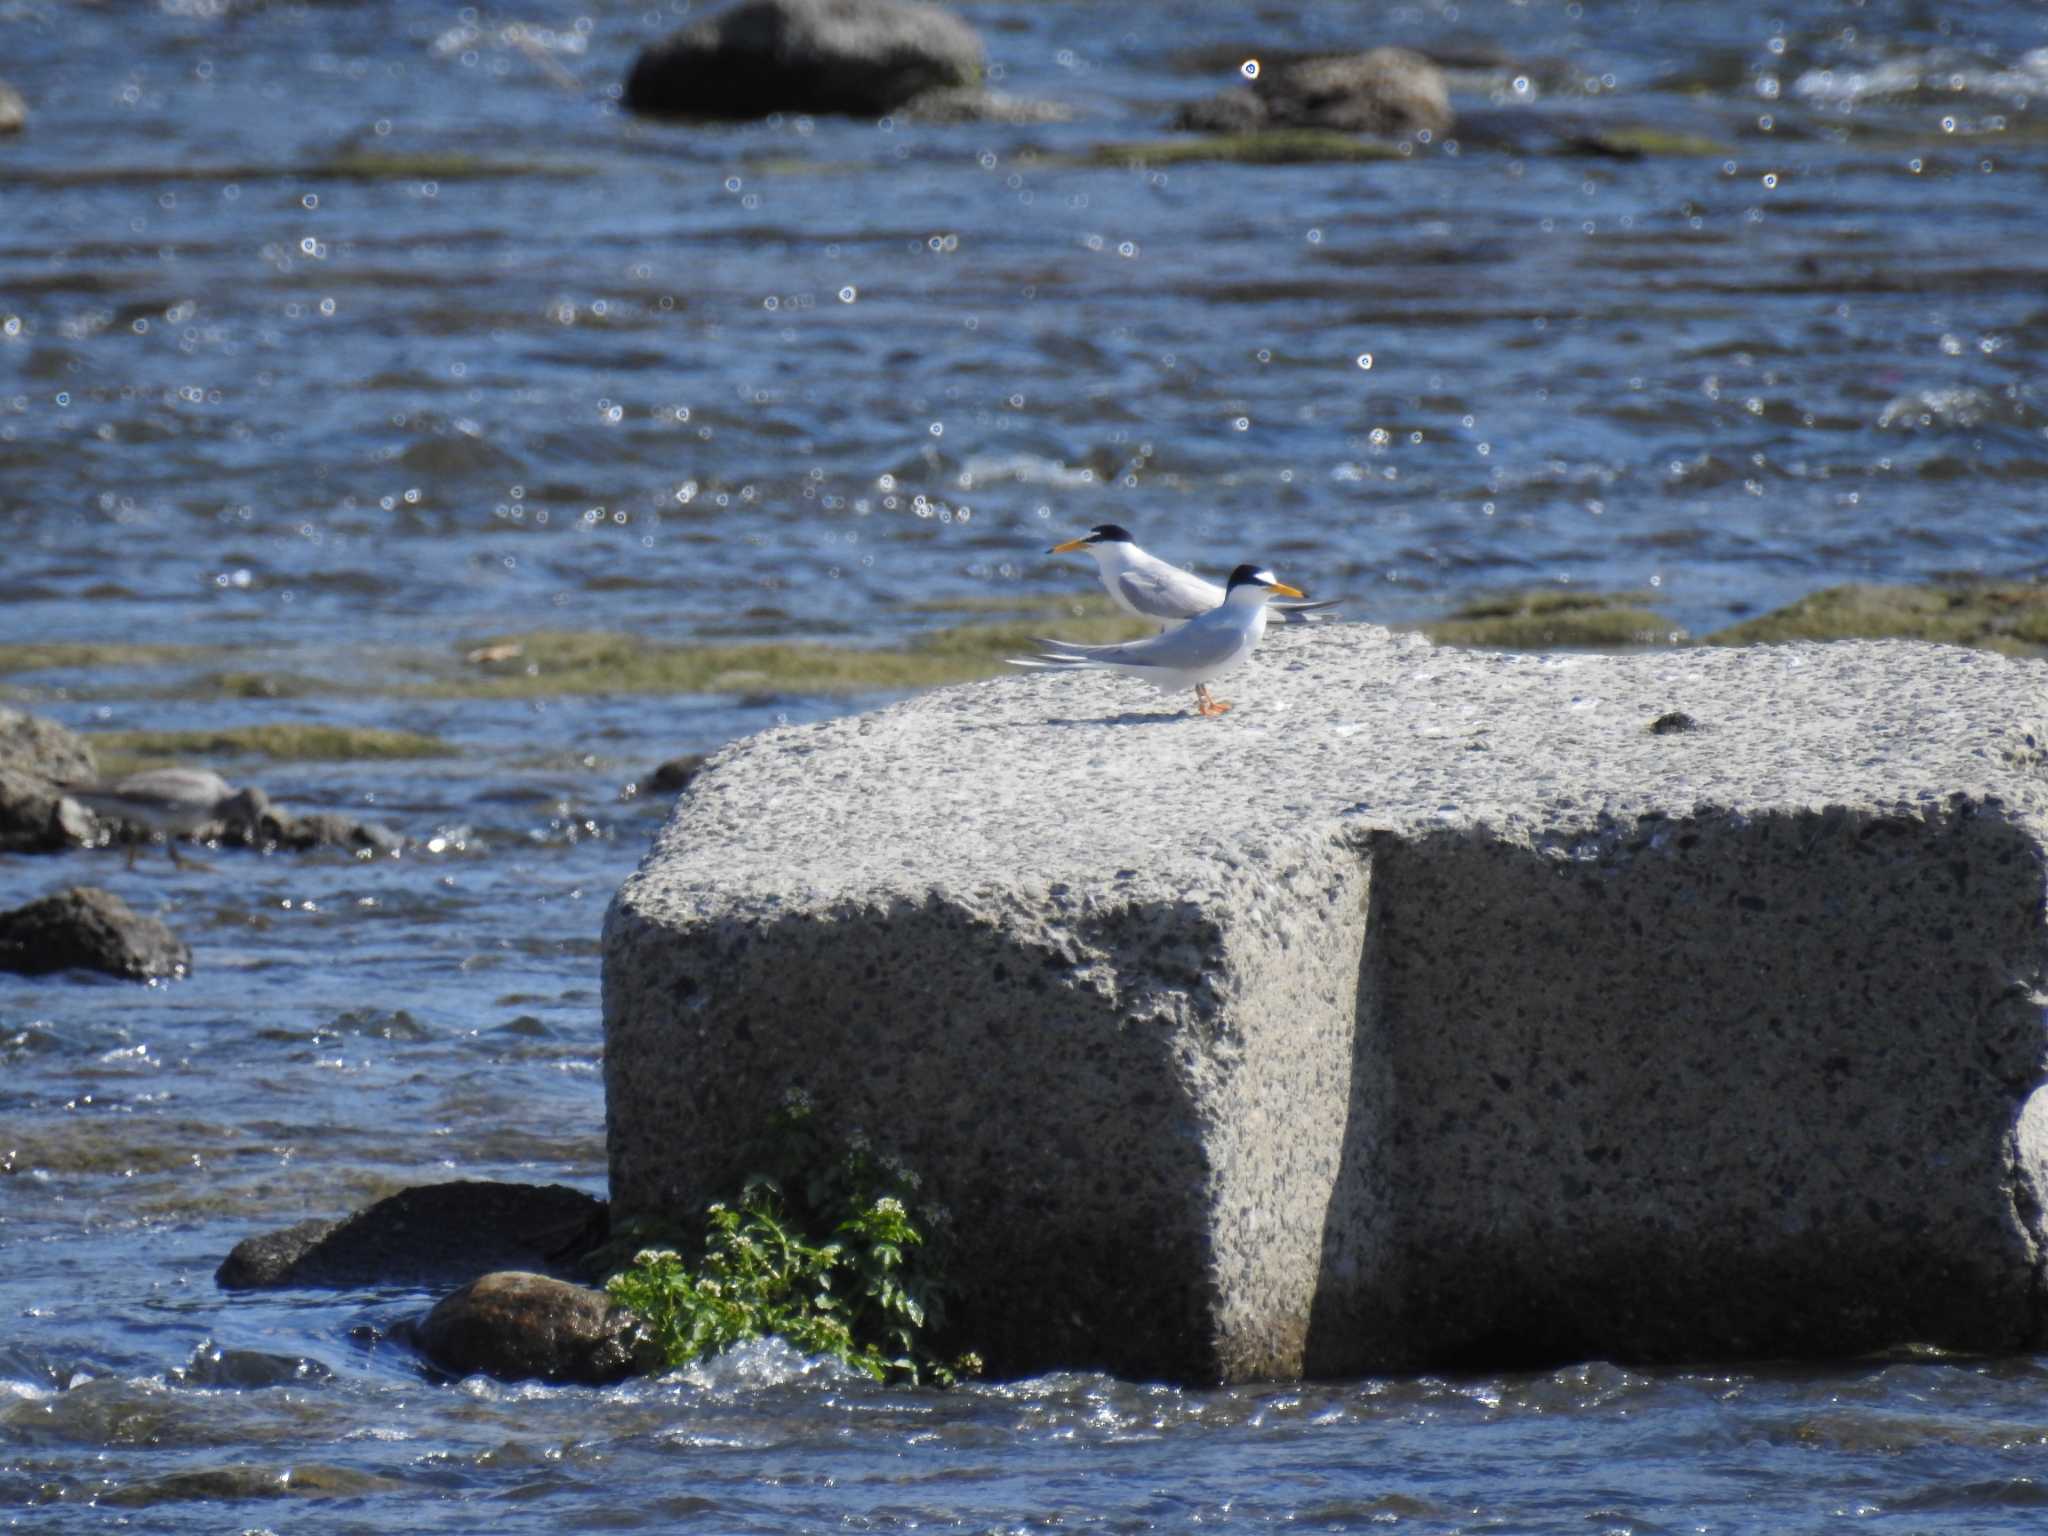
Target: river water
<point>338,339</point>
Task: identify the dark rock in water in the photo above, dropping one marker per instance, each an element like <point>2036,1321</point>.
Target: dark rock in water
<point>864,58</point>
<point>434,1234</point>
<point>1388,91</point>
<point>331,829</point>
<point>36,818</point>
<point>213,1366</point>
<point>674,776</point>
<point>268,1258</point>
<point>271,828</point>
<point>13,110</point>
<point>84,928</point>
<point>516,1326</point>
<point>30,744</point>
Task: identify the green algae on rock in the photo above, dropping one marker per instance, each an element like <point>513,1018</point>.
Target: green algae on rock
<point>2011,617</point>
<point>285,741</point>
<point>1283,146</point>
<point>51,656</point>
<point>1641,141</point>
<point>1544,618</point>
<point>542,663</point>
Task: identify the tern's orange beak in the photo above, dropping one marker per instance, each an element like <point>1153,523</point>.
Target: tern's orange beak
<point>1281,589</point>
<point>1068,548</point>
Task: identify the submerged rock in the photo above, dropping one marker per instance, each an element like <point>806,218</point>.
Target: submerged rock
<point>1425,1010</point>
<point>432,1234</point>
<point>674,776</point>
<point>331,829</point>
<point>1384,91</point>
<point>518,1326</point>
<point>213,1366</point>
<point>85,928</point>
<point>864,58</point>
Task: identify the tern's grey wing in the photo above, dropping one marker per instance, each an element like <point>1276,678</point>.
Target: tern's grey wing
<point>1187,648</point>
<point>173,783</point>
<point>1166,592</point>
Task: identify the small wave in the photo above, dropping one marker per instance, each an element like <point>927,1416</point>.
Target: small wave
<point>1960,407</point>
<point>1025,469</point>
<point>762,1363</point>
<point>526,36</point>
<point>1925,77</point>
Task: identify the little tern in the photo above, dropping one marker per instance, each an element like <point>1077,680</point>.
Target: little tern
<point>1147,587</point>
<point>173,801</point>
<point>1205,647</point>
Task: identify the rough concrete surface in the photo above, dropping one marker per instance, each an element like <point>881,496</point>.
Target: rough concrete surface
<point>1429,1008</point>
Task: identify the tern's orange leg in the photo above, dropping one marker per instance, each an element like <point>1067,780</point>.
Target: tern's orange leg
<point>1207,705</point>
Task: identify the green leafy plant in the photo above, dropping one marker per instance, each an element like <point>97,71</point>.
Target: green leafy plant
<point>826,1250</point>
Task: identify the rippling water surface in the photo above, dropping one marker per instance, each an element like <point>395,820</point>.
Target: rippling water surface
<point>338,339</point>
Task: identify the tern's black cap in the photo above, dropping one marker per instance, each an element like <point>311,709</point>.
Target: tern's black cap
<point>1250,573</point>
<point>1109,533</point>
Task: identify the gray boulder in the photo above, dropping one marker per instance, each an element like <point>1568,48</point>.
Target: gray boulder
<point>36,817</point>
<point>84,928</point>
<point>864,58</point>
<point>1428,1009</point>
<point>1385,91</point>
<point>519,1326</point>
<point>33,745</point>
<point>432,1234</point>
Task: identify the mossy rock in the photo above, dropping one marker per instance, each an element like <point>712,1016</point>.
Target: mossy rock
<point>991,643</point>
<point>1280,146</point>
<point>253,685</point>
<point>1548,618</point>
<point>2008,617</point>
<point>544,663</point>
<point>348,165</point>
<point>77,655</point>
<point>282,742</point>
<point>437,165</point>
<point>1642,141</point>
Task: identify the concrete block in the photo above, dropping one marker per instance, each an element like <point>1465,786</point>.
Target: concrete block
<point>1430,1008</point>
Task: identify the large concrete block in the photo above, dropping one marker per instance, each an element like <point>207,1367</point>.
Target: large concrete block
<point>1428,1008</point>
